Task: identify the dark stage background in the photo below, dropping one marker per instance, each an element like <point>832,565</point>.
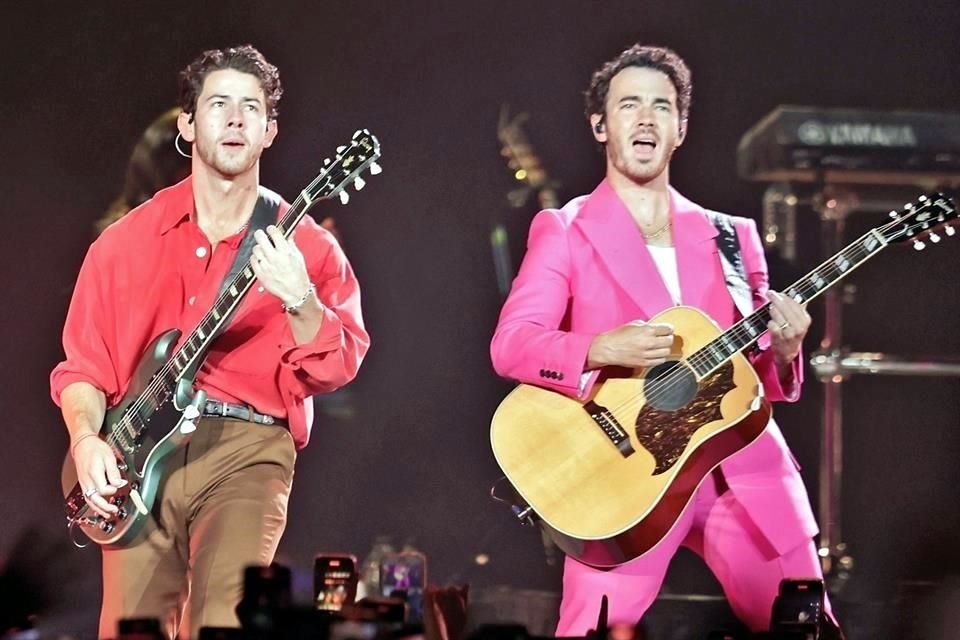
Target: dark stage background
<point>412,459</point>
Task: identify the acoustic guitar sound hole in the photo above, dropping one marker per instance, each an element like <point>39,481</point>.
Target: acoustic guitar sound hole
<point>669,386</point>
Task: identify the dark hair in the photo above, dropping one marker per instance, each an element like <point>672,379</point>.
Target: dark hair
<point>244,58</point>
<point>154,164</point>
<point>657,58</point>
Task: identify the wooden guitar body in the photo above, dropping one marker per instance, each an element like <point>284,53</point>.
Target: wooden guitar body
<point>609,476</point>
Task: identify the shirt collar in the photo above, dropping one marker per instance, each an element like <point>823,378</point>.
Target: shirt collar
<point>178,207</point>
<point>177,204</point>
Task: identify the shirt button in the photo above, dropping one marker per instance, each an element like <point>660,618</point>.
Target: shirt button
<point>192,300</point>
<point>201,252</point>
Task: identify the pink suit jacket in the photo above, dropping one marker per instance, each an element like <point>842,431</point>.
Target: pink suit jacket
<point>587,270</point>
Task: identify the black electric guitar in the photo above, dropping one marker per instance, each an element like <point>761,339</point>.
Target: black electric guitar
<point>161,408</point>
<point>609,476</point>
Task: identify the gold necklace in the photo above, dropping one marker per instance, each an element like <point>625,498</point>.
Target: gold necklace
<point>659,232</point>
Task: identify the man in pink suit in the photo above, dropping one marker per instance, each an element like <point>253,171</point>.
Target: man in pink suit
<point>594,272</point>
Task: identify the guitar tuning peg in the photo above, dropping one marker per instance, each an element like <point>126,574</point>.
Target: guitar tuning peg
<point>344,197</point>
<point>894,214</point>
<point>341,148</point>
<point>326,161</point>
<point>919,245</point>
<point>950,231</point>
<point>934,238</point>
<point>358,183</point>
<point>375,169</point>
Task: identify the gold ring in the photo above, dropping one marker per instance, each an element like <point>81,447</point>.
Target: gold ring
<point>89,494</point>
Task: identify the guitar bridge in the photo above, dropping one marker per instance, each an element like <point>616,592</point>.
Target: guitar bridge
<point>611,428</point>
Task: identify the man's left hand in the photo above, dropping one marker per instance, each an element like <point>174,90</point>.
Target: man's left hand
<point>789,323</point>
<point>279,265</point>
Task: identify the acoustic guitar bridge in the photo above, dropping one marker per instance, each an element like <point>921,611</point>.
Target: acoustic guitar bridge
<point>611,427</point>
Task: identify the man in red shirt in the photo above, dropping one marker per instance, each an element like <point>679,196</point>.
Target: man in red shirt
<point>299,332</point>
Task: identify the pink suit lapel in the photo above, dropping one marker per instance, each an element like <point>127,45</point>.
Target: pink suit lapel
<point>607,225</point>
<point>693,236</point>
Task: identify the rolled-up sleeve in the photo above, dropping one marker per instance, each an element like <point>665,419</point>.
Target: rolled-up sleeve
<point>332,358</point>
<point>87,334</point>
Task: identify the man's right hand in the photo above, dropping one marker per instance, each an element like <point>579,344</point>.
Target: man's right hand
<point>635,344</point>
<point>98,474</point>
<point>83,407</point>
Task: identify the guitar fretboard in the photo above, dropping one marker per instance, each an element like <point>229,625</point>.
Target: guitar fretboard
<point>351,160</point>
<point>744,333</point>
<point>329,183</point>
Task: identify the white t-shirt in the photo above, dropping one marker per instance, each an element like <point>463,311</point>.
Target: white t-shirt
<point>666,260</point>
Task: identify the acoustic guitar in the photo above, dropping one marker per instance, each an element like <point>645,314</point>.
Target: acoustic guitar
<point>609,476</point>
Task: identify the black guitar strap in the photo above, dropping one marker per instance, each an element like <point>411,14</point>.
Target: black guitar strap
<point>264,214</point>
<point>731,260</point>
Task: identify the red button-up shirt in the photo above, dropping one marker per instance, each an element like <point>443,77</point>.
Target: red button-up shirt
<point>154,270</point>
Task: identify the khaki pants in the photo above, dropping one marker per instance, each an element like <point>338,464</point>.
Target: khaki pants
<point>221,507</point>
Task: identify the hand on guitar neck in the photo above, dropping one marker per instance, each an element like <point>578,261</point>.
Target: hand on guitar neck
<point>280,268</point>
<point>789,323</point>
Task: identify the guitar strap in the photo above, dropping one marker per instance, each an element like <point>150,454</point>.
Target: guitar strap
<point>731,259</point>
<point>264,214</point>
<point>735,277</point>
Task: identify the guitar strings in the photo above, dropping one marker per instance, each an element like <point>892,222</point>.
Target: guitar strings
<point>154,387</point>
<point>857,252</point>
<point>659,387</point>
<point>739,332</point>
<point>157,382</point>
<point>655,390</point>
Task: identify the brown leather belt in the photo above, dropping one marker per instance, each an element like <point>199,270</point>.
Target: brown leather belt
<point>238,411</point>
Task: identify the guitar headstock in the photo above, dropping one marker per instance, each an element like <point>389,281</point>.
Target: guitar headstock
<point>351,160</point>
<point>524,162</point>
<point>921,220</point>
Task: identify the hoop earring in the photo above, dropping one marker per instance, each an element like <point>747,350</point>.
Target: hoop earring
<point>176,143</point>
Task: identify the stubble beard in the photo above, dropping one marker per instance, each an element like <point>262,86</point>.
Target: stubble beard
<point>639,171</point>
<point>226,163</point>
